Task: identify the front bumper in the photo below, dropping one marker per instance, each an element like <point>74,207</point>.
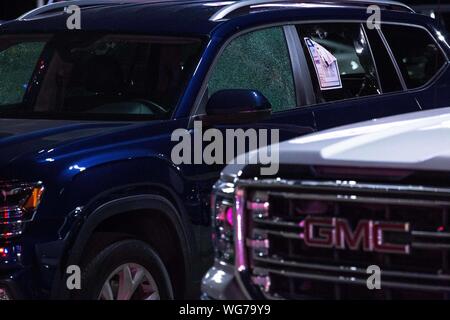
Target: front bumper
<point>221,283</point>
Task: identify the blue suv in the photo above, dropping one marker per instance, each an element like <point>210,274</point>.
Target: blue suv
<point>87,114</point>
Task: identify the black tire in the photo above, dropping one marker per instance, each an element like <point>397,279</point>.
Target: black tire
<point>97,271</point>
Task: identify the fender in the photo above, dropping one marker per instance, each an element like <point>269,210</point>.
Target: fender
<point>119,206</point>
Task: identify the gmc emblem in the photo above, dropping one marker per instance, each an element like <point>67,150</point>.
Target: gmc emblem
<point>368,235</point>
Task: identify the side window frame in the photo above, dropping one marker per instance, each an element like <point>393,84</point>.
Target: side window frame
<point>394,60</point>
<point>302,79</point>
<point>391,59</point>
<point>363,28</point>
<point>302,52</point>
<point>405,89</point>
<point>294,52</point>
<point>258,60</point>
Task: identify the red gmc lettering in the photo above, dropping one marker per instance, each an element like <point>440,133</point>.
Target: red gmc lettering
<point>345,237</point>
<point>368,235</point>
<point>325,232</point>
<point>381,246</point>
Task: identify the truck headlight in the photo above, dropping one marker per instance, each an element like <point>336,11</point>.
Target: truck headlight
<point>18,203</point>
<point>222,207</point>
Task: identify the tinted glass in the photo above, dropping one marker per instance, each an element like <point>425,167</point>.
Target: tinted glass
<point>389,79</point>
<point>348,45</point>
<point>260,61</point>
<point>97,76</point>
<point>417,54</point>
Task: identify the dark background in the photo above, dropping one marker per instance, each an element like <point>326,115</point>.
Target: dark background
<point>11,9</point>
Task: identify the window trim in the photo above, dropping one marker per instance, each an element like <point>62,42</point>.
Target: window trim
<point>195,111</point>
<point>303,82</point>
<point>201,95</point>
<point>397,67</point>
<point>394,61</point>
<point>202,91</point>
<point>363,28</point>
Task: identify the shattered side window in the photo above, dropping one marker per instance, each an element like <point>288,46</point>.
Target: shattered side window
<point>260,61</point>
<point>17,63</point>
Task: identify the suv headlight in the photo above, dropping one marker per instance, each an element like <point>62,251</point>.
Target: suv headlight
<point>222,207</point>
<point>18,203</point>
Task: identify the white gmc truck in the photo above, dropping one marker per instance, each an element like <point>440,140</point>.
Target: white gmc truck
<point>370,194</point>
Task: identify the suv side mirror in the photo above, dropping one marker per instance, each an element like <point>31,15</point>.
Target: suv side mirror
<point>237,106</point>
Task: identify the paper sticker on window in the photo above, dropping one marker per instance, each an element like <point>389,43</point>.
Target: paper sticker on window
<point>326,66</point>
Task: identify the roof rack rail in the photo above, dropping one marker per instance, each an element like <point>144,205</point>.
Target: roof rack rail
<point>224,12</point>
<point>60,5</point>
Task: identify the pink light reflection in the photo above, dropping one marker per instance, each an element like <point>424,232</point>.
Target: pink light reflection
<point>229,215</point>
<point>240,245</point>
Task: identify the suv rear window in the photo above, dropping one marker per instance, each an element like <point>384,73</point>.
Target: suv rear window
<point>95,76</point>
<point>417,54</point>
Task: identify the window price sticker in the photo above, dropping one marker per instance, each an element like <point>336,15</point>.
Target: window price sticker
<point>326,66</point>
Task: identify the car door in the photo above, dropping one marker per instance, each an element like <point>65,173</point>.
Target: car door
<point>260,60</point>
<point>364,83</point>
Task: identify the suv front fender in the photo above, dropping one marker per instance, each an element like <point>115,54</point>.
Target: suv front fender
<point>143,202</point>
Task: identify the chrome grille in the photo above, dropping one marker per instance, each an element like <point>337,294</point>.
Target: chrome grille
<point>283,266</point>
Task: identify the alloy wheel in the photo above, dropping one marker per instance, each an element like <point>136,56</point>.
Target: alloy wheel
<point>130,281</point>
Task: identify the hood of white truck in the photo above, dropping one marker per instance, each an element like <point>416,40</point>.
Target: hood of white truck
<point>418,141</point>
